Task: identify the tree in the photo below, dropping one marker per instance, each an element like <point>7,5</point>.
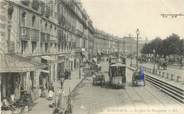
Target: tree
<point>153,45</point>
<point>181,47</point>
<point>156,45</point>
<point>171,45</point>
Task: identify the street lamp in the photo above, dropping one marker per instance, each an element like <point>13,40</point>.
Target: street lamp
<point>154,60</point>
<point>131,57</point>
<point>137,32</point>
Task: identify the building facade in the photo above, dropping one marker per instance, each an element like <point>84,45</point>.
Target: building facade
<point>40,39</point>
<point>105,43</point>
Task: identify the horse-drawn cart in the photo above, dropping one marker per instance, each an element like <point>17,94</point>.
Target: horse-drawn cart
<point>162,63</point>
<point>98,79</point>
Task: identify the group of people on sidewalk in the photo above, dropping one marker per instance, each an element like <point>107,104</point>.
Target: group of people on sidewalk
<point>55,92</point>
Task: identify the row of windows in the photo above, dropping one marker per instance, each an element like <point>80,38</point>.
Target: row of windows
<point>45,47</point>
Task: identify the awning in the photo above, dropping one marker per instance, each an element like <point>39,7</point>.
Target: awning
<point>15,63</point>
<point>49,58</point>
<point>53,59</point>
<point>45,71</point>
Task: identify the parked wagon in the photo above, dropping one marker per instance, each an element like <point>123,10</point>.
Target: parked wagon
<point>98,79</point>
<point>162,63</point>
<point>138,78</point>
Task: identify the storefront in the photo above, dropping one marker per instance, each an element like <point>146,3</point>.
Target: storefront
<point>60,66</point>
<point>17,75</point>
<point>54,63</point>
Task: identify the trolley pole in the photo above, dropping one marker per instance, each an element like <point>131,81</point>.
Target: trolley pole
<point>137,32</point>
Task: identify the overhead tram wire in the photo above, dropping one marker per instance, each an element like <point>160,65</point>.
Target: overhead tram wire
<point>169,12</point>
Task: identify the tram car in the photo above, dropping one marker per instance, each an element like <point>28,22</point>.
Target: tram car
<point>138,78</point>
<point>113,60</point>
<point>117,75</point>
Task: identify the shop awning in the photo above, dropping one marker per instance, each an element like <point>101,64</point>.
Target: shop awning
<point>45,71</point>
<point>49,58</point>
<point>53,59</point>
<point>16,63</point>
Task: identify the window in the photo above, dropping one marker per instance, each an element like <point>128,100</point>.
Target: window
<point>41,47</point>
<point>10,12</point>
<point>23,46</point>
<point>24,18</point>
<point>33,46</point>
<point>59,47</point>
<point>45,24</point>
<point>33,20</point>
<point>46,47</point>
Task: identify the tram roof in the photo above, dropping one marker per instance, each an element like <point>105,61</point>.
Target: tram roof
<point>117,64</point>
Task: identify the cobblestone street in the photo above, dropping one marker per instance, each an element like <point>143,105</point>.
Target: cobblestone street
<point>89,99</point>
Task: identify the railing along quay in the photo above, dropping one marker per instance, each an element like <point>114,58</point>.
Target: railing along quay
<point>168,83</point>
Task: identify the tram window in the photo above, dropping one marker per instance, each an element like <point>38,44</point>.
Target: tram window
<point>117,71</point>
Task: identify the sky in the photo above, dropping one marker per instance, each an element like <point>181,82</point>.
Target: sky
<point>123,17</point>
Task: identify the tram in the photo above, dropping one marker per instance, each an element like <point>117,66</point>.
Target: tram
<point>117,75</point>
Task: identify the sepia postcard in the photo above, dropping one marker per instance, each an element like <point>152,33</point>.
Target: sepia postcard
<point>91,56</point>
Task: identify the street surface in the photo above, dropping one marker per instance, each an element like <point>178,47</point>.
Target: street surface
<point>89,99</point>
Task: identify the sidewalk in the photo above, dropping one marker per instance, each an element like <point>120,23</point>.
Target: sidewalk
<point>42,104</point>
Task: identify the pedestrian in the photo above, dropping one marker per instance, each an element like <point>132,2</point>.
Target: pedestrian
<point>65,74</point>
<point>51,95</point>
<point>62,81</point>
<point>69,74</point>
<point>40,92</point>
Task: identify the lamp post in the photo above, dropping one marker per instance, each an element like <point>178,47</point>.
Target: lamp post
<point>154,60</point>
<point>137,32</point>
<point>131,60</point>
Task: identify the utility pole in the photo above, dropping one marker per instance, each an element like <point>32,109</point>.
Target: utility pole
<point>137,32</point>
<point>124,47</point>
<point>118,50</point>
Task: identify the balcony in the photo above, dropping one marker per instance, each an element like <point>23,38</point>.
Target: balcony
<point>77,49</point>
<point>78,32</point>
<point>53,38</point>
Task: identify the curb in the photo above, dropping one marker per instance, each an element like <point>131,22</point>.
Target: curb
<point>77,85</point>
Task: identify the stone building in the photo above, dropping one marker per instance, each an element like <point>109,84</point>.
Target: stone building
<point>105,43</point>
<point>39,40</point>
